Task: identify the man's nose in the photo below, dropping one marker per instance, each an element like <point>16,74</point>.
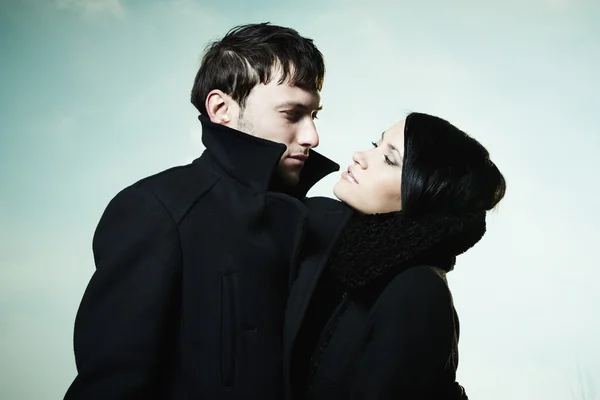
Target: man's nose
<point>308,135</point>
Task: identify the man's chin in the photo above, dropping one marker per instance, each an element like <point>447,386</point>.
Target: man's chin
<point>291,179</point>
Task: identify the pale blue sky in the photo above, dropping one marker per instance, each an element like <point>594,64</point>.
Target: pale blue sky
<point>95,96</point>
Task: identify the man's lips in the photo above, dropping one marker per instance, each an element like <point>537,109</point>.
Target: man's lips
<point>297,159</point>
<point>349,176</point>
<point>302,157</point>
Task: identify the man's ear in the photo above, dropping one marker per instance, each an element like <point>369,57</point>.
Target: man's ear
<point>219,107</point>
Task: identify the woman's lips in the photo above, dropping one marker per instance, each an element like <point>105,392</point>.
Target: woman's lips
<point>349,176</point>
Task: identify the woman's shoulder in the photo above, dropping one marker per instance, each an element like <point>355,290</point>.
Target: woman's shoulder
<point>417,303</point>
<point>423,275</point>
<point>423,284</point>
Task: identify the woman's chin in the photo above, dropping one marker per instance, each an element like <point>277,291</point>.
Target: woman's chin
<point>338,191</point>
<point>343,192</point>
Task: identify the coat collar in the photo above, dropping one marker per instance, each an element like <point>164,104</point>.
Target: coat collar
<point>253,161</point>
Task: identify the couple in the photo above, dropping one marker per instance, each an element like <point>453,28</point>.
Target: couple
<point>221,280</point>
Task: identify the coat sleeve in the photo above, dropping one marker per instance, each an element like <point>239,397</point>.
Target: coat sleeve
<point>411,341</point>
<point>124,314</point>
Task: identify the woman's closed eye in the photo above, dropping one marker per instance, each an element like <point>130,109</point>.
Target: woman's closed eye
<point>387,160</point>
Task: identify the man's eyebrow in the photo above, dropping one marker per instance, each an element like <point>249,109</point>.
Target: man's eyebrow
<point>293,104</point>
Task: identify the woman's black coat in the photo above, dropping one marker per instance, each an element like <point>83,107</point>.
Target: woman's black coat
<point>391,333</point>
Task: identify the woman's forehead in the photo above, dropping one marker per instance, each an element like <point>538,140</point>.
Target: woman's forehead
<point>395,133</point>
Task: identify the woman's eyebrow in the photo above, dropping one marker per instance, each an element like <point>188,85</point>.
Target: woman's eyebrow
<point>393,148</point>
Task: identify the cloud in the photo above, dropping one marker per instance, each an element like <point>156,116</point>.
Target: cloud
<point>92,8</point>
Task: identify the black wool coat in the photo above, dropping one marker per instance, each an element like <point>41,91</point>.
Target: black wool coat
<point>191,281</point>
<point>373,318</point>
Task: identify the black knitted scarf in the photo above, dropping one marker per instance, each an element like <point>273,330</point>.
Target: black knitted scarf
<point>372,246</point>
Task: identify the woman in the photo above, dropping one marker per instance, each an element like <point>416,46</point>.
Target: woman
<point>378,320</point>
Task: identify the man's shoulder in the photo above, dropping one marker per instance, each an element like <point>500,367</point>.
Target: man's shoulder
<point>321,204</point>
<point>326,213</point>
<point>195,174</point>
<point>177,188</point>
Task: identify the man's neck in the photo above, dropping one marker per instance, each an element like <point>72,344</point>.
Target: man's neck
<point>278,184</point>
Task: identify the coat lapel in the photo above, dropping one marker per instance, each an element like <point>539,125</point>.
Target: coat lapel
<point>326,219</point>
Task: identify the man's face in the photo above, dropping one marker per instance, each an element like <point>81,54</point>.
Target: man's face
<point>285,114</point>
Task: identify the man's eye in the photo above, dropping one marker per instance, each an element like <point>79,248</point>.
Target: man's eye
<point>293,115</point>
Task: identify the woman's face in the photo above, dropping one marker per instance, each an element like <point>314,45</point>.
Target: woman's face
<point>371,185</point>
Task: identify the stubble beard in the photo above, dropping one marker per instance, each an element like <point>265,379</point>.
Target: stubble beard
<point>283,179</point>
<point>245,126</point>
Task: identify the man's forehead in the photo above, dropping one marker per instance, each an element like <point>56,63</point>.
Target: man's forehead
<point>290,96</point>
<point>295,97</point>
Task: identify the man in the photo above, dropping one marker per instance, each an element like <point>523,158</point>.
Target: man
<point>192,264</point>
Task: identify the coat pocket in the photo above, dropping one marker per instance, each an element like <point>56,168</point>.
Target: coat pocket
<point>229,327</point>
